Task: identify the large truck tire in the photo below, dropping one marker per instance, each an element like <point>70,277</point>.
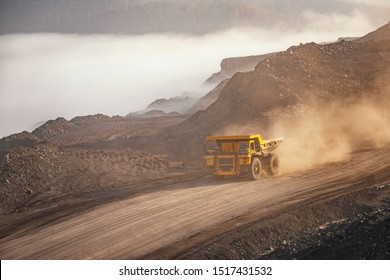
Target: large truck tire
<point>273,164</point>
<point>256,169</point>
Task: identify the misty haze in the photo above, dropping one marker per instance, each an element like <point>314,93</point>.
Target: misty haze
<point>44,76</point>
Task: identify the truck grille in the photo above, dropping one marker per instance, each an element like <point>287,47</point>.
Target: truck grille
<point>226,168</point>
<point>225,161</point>
<point>226,164</point>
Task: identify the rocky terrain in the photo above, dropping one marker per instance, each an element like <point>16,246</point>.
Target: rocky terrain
<point>232,65</point>
<point>178,104</point>
<point>297,75</point>
<point>352,226</point>
<point>51,165</point>
<point>381,33</point>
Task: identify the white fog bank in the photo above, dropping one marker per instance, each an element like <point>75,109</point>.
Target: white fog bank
<point>43,76</point>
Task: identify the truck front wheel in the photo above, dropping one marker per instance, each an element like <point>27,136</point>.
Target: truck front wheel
<point>256,169</point>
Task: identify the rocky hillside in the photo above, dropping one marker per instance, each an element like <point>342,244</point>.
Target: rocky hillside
<point>233,65</point>
<point>153,16</point>
<point>43,172</point>
<point>61,126</point>
<point>187,105</point>
<point>173,105</point>
<point>205,102</point>
<point>381,33</point>
<point>322,71</point>
<point>229,67</point>
<point>23,139</point>
<point>281,84</point>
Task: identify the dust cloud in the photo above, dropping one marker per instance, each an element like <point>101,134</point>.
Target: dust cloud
<point>317,132</point>
<point>328,133</point>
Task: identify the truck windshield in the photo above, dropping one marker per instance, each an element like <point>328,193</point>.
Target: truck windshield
<point>243,149</point>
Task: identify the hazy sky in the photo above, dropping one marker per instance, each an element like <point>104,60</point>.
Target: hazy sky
<point>43,76</point>
<point>371,2</point>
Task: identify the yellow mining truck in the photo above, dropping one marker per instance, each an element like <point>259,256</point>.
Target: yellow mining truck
<point>243,154</point>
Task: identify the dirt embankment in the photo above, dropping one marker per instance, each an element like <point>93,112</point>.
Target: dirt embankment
<point>350,226</point>
<point>37,174</point>
<point>46,175</point>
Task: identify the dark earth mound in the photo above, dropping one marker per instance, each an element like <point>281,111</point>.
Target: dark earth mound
<point>352,226</point>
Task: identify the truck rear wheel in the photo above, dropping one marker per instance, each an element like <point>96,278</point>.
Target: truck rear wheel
<point>273,164</point>
<point>256,169</point>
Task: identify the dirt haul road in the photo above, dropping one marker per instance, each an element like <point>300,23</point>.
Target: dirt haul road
<point>141,225</point>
